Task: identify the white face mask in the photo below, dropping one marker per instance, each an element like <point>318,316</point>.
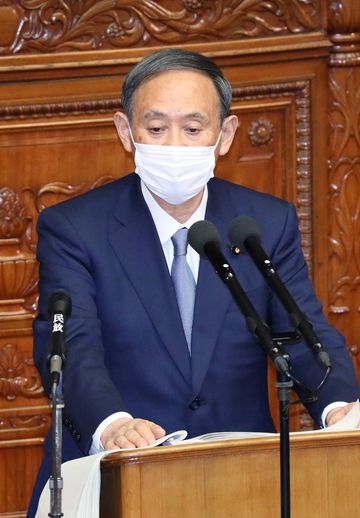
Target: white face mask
<point>175,173</point>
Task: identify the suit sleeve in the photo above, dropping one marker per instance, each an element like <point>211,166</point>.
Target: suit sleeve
<point>65,264</point>
<point>290,263</point>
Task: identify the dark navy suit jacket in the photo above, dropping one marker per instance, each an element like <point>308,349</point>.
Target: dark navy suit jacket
<point>126,349</point>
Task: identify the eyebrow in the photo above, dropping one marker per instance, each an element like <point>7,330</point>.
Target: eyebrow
<point>153,114</point>
<point>197,116</point>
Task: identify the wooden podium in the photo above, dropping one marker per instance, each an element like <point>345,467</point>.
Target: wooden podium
<point>234,479</point>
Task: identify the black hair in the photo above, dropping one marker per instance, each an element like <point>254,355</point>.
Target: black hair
<point>175,59</point>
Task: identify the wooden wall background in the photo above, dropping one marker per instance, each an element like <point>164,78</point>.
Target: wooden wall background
<point>295,69</point>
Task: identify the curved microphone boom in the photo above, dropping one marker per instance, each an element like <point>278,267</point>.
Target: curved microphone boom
<point>204,237</point>
<point>244,233</point>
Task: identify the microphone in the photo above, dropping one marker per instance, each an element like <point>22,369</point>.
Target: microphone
<point>204,238</point>
<point>244,233</point>
<point>59,309</point>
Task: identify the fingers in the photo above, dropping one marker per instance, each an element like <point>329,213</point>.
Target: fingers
<point>334,416</point>
<point>131,433</point>
<point>157,430</point>
<point>338,413</point>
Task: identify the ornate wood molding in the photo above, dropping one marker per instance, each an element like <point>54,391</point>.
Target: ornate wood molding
<point>345,59</point>
<point>36,111</point>
<point>344,157</point>
<point>18,215</point>
<point>13,220</point>
<point>38,26</point>
<point>37,200</point>
<point>261,132</point>
<point>33,426</point>
<point>18,268</point>
<point>344,171</point>
<point>299,91</point>
<point>344,32</point>
<point>18,376</point>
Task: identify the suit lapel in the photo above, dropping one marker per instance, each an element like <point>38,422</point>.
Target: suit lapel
<point>135,241</point>
<point>212,299</point>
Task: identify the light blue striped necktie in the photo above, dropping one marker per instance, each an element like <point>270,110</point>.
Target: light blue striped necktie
<point>183,281</point>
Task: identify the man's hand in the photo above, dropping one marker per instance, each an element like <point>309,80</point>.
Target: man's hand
<point>130,433</point>
<point>338,413</point>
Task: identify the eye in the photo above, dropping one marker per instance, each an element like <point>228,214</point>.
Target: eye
<point>193,131</point>
<point>156,130</point>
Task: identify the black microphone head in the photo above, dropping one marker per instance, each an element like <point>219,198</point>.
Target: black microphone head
<point>241,228</point>
<point>60,302</point>
<point>201,233</point>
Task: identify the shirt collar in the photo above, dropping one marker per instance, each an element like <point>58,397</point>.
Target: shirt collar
<point>166,225</point>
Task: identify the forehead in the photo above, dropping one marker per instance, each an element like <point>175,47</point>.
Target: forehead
<point>177,91</point>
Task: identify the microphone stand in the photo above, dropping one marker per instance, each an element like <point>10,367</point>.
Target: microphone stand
<point>273,347</point>
<point>204,238</point>
<point>284,386</point>
<point>57,404</point>
<point>59,308</point>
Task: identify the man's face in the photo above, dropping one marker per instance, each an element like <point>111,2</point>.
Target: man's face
<point>176,108</point>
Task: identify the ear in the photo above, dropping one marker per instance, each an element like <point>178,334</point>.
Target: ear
<point>122,127</point>
<point>228,131</point>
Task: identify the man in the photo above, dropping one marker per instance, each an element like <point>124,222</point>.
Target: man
<point>135,370</point>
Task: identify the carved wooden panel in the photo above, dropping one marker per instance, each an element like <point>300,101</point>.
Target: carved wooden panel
<point>36,26</point>
<point>344,173</point>
<point>61,172</point>
<point>24,420</point>
<point>61,66</point>
<point>17,461</point>
<point>265,156</point>
<point>17,375</point>
<point>344,163</point>
<point>18,268</point>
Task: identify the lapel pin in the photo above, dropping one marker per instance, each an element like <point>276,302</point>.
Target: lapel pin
<point>235,250</point>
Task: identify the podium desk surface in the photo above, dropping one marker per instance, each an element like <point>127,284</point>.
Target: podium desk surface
<point>234,479</point>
